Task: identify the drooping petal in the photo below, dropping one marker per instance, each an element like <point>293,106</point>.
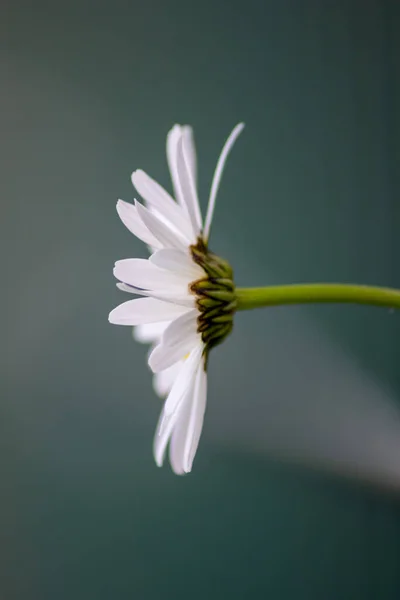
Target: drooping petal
<point>181,391</point>
<point>157,197</point>
<point>177,261</point>
<point>218,175</point>
<point>145,310</point>
<point>160,442</point>
<point>163,381</point>
<point>182,328</point>
<point>186,374</point>
<point>196,419</point>
<point>143,274</point>
<point>178,439</point>
<point>150,333</point>
<point>164,356</point>
<point>130,218</point>
<point>183,436</point>
<point>188,187</point>
<point>168,237</point>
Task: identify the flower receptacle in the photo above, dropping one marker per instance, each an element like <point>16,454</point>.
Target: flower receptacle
<point>215,296</point>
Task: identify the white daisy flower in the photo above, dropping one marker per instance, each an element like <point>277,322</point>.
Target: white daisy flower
<point>189,294</point>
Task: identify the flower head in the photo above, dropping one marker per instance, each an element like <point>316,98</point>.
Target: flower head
<point>188,294</point>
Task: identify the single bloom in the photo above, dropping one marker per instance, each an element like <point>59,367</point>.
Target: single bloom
<point>188,293</point>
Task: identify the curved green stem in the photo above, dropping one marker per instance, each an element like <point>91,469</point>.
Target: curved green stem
<point>248,298</point>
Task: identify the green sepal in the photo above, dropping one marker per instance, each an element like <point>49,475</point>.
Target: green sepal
<point>224,295</point>
<point>226,318</point>
<point>207,303</point>
<point>215,297</point>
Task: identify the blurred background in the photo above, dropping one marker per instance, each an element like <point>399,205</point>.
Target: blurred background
<point>295,488</point>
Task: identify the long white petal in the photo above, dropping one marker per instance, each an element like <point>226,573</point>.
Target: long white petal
<point>218,175</point>
<point>130,218</point>
<point>160,442</point>
<point>187,133</point>
<point>163,381</point>
<point>186,375</point>
<point>178,439</point>
<point>164,356</point>
<point>144,310</point>
<point>196,419</point>
<point>182,435</point>
<point>177,261</point>
<point>156,196</point>
<point>188,187</point>
<point>175,294</point>
<point>165,428</point>
<point>143,274</point>
<point>174,135</point>
<point>168,237</point>
<point>182,328</point>
<point>124,287</point>
<point>183,389</point>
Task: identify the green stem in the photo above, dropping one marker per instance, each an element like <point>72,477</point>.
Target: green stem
<point>248,298</point>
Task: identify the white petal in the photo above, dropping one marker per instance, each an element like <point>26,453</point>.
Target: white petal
<point>183,388</point>
<point>188,187</point>
<point>178,261</point>
<point>218,174</point>
<point>157,197</point>
<point>164,356</point>
<point>144,310</point>
<point>168,237</point>
<point>181,431</point>
<point>175,294</point>
<point>163,381</point>
<point>182,328</point>
<point>187,133</point>
<point>196,418</point>
<point>124,287</point>
<point>149,332</point>
<point>185,377</point>
<point>130,218</point>
<point>160,441</point>
<point>178,439</point>
<point>173,137</point>
<point>143,274</point>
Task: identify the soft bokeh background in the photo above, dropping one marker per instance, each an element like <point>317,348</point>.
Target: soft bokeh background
<point>294,493</point>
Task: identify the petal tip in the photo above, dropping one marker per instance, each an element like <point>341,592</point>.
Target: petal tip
<point>120,206</point>
<point>111,317</point>
<point>158,456</point>
<point>137,173</point>
<point>179,472</point>
<point>176,127</point>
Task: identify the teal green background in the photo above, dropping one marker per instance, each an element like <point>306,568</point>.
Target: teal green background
<point>294,492</point>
